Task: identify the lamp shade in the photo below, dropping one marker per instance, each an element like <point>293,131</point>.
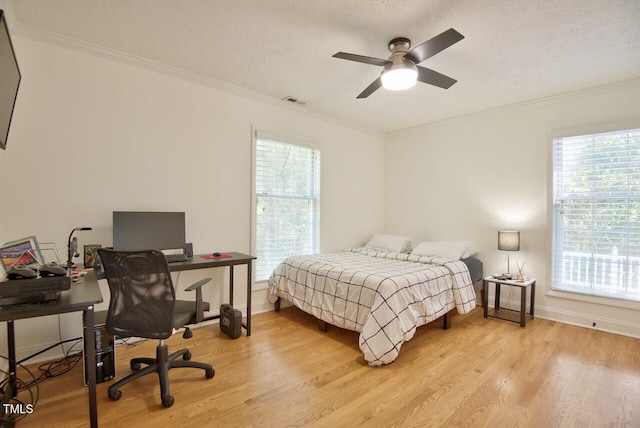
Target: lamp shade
<point>509,240</point>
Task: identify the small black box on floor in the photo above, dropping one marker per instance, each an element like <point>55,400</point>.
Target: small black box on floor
<point>230,321</point>
<point>105,350</point>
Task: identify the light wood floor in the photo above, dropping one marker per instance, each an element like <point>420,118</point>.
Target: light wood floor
<point>481,373</point>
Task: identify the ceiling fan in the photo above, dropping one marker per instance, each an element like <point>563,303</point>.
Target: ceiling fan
<point>401,70</point>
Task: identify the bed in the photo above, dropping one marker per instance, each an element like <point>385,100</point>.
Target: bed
<point>384,295</point>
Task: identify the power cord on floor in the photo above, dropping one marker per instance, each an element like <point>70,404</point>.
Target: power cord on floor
<point>75,339</point>
<point>56,368</point>
<point>15,408</point>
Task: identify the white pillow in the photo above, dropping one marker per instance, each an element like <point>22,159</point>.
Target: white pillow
<point>470,251</point>
<point>454,250</point>
<point>393,243</point>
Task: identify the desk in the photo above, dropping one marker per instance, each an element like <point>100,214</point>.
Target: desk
<point>80,297</point>
<point>229,259</point>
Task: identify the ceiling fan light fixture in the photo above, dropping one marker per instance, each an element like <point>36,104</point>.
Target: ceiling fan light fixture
<point>401,71</point>
<point>398,77</point>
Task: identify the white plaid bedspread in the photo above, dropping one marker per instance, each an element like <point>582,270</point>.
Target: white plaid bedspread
<point>382,295</point>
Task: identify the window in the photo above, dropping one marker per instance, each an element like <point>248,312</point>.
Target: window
<point>287,201</point>
<point>596,214</point>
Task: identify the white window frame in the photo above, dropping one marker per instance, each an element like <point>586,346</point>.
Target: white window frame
<point>557,289</point>
<point>314,239</point>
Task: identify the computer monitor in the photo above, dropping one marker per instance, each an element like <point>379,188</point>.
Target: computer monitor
<point>143,230</point>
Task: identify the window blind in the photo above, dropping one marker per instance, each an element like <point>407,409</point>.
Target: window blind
<point>287,201</point>
<point>596,214</point>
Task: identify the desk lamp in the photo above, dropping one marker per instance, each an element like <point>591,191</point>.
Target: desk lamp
<point>508,240</point>
<point>72,247</point>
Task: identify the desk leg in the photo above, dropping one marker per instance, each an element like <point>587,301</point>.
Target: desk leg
<point>249,276</point>
<point>91,362</point>
<point>9,390</point>
<point>496,304</point>
<point>231,285</point>
<point>11,339</point>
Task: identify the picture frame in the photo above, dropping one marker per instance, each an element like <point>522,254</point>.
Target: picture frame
<point>91,256</point>
<point>24,251</point>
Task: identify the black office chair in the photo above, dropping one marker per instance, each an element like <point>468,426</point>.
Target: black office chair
<point>143,304</point>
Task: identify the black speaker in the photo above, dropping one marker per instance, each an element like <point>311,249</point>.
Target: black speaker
<point>188,249</point>
<point>105,350</point>
<point>230,321</point>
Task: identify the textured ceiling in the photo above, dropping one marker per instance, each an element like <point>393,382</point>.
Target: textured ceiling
<point>513,51</point>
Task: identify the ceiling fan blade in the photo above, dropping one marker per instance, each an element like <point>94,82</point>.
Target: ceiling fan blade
<point>434,46</point>
<point>361,58</point>
<point>376,84</point>
<point>426,75</point>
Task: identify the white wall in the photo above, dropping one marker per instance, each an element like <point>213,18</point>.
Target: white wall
<point>91,135</point>
<point>468,177</point>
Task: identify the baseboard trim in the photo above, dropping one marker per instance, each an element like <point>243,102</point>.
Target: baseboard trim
<point>608,325</point>
<point>593,322</point>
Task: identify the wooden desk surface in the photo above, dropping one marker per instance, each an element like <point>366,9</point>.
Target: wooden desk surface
<point>199,262</point>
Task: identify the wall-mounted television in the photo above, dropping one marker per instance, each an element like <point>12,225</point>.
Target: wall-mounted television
<point>143,230</point>
<point>9,81</point>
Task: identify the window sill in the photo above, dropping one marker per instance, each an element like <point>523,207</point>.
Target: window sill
<point>598,300</point>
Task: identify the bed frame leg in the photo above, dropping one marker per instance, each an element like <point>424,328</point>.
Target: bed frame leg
<point>322,326</point>
<point>446,321</point>
<point>277,305</point>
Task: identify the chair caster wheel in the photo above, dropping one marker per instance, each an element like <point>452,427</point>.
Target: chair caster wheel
<point>210,373</point>
<point>167,401</point>
<point>135,367</point>
<point>115,395</point>
<point>186,356</point>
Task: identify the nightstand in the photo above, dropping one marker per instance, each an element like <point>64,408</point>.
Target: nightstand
<point>509,314</point>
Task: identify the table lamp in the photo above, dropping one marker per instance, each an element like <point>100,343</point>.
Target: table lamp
<point>508,240</point>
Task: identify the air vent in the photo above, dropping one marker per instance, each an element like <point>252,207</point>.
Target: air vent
<point>294,100</point>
